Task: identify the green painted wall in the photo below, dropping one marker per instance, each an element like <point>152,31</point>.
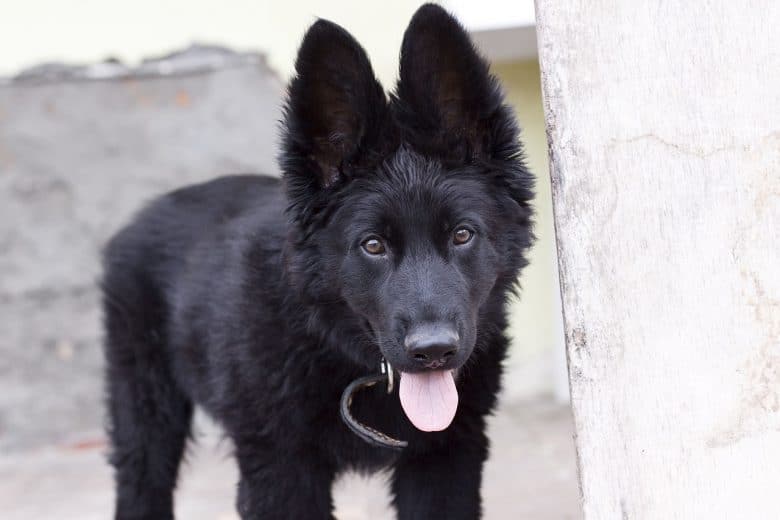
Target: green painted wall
<point>535,318</point>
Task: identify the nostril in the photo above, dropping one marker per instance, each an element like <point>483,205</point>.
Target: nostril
<point>434,343</point>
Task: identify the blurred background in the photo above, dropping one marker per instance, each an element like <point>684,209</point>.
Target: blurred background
<point>104,105</point>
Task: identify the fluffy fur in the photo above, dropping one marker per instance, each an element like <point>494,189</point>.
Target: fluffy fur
<point>254,298</point>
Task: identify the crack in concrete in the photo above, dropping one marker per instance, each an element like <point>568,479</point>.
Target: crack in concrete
<point>699,152</point>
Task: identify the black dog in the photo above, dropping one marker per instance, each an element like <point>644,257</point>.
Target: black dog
<point>398,233</point>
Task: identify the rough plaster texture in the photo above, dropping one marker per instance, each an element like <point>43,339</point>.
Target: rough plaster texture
<point>81,148</point>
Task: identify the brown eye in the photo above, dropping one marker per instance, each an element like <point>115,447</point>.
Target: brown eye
<point>373,246</point>
<point>461,236</point>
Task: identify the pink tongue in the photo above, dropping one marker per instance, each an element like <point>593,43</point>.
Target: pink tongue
<point>429,399</point>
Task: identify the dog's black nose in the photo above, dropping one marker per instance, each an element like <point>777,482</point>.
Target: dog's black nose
<point>432,344</point>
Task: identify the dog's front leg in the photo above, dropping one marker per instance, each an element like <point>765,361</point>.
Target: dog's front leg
<point>444,483</point>
<point>285,487</point>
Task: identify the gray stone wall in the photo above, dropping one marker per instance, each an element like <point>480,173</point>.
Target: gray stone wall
<point>81,149</point>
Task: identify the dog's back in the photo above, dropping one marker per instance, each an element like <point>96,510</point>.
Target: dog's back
<point>147,267</point>
<point>153,250</point>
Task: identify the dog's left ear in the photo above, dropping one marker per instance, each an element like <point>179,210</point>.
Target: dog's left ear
<point>446,99</point>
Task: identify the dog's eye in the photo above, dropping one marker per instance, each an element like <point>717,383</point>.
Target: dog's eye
<point>461,236</point>
<point>373,246</point>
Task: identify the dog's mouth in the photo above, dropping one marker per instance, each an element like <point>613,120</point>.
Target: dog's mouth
<point>429,399</point>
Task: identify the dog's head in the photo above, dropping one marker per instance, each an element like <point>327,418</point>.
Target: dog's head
<point>414,210</point>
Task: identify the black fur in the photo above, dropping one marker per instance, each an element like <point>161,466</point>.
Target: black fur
<point>256,300</point>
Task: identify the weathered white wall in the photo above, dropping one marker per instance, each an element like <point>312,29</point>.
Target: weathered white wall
<point>664,127</point>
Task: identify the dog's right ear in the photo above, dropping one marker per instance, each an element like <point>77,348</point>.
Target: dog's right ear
<point>334,109</point>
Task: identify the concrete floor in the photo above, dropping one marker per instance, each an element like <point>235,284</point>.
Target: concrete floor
<point>531,475</point>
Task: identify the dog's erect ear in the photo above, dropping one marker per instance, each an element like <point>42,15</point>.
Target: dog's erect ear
<point>334,106</point>
<point>446,96</point>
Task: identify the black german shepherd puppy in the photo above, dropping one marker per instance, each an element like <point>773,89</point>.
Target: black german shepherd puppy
<point>398,232</point>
